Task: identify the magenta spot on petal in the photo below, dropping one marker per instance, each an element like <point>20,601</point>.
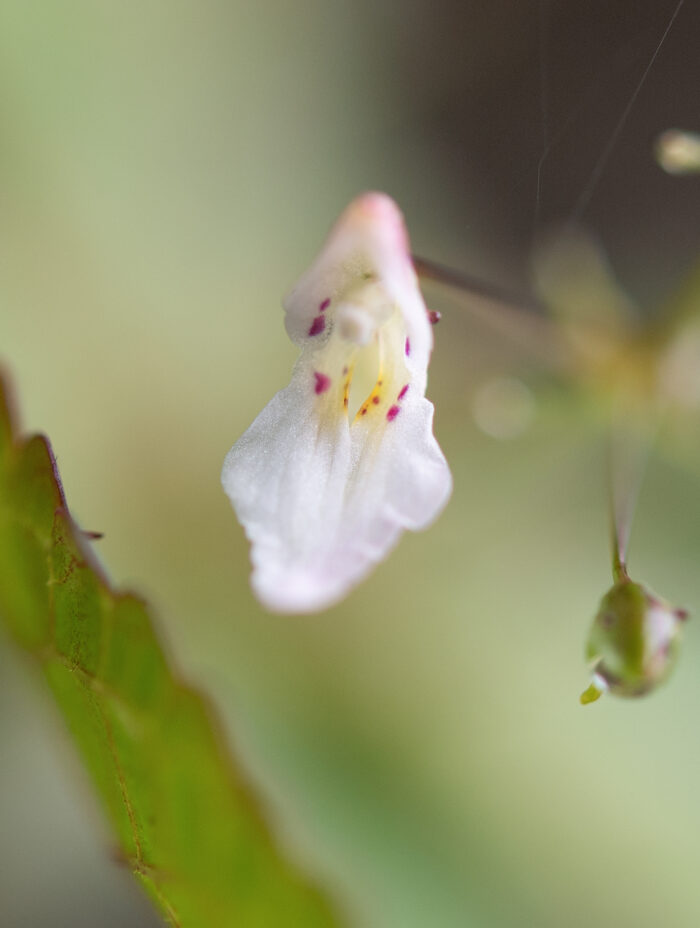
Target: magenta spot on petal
<point>408,347</point>
<point>375,400</point>
<point>317,326</point>
<point>392,413</point>
<point>324,306</point>
<point>403,392</point>
<point>323,382</point>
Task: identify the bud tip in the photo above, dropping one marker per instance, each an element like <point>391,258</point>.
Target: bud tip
<point>590,695</point>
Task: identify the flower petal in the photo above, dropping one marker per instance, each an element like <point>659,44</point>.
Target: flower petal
<point>369,240</point>
<point>400,480</point>
<point>286,478</point>
<point>321,500</point>
<point>322,505</point>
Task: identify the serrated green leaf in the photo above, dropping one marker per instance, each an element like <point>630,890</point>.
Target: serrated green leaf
<point>183,816</point>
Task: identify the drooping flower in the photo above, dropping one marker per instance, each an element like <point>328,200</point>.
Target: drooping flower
<point>324,497</point>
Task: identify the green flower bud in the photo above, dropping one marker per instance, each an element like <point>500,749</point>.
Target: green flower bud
<point>633,643</point>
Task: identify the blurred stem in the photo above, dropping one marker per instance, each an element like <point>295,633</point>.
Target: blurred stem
<point>519,318</point>
<point>619,566</point>
<point>473,286</point>
<point>622,505</point>
<point>631,440</point>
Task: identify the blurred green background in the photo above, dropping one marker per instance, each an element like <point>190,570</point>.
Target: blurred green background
<point>167,170</point>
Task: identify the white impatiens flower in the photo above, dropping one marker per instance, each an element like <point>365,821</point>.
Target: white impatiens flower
<point>324,497</point>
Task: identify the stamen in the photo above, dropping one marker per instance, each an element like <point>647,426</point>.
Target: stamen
<point>362,310</point>
<point>355,324</point>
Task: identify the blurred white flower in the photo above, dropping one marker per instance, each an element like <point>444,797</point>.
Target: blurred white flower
<point>678,152</point>
<point>323,498</point>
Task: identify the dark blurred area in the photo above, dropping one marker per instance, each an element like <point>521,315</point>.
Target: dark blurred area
<point>501,91</point>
